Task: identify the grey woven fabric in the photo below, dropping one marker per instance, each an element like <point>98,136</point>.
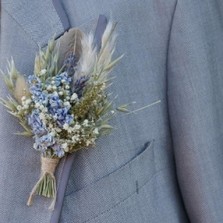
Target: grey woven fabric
<point>162,164</point>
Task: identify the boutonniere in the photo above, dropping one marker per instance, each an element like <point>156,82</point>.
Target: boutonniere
<point>64,104</point>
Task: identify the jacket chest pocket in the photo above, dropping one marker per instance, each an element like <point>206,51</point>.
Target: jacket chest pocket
<point>111,190</point>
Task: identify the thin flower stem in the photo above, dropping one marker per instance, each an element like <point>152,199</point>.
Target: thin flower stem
<point>147,106</point>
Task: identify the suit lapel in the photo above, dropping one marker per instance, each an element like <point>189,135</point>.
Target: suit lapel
<point>69,159</point>
<point>61,13</point>
<point>39,19</point>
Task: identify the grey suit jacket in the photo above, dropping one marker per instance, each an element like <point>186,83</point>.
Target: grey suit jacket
<point>160,165</point>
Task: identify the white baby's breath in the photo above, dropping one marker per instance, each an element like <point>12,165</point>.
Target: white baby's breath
<point>65,126</point>
<point>75,138</point>
<point>96,131</point>
<point>85,123</point>
<point>43,72</point>
<point>77,126</point>
<point>74,97</point>
<point>49,87</point>
<point>67,104</point>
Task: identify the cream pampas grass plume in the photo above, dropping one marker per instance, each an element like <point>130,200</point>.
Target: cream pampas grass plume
<point>88,56</point>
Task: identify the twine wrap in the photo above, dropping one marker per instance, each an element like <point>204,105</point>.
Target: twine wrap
<point>46,185</point>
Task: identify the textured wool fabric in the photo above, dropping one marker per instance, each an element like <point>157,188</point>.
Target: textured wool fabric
<point>195,80</point>
<point>161,164</point>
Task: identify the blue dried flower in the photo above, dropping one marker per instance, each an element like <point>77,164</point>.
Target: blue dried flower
<point>58,150</point>
<point>54,101</point>
<point>40,97</point>
<point>70,63</point>
<point>61,113</point>
<point>62,78</point>
<point>36,123</point>
<point>68,119</point>
<point>34,83</point>
<point>42,143</point>
<point>79,85</point>
<point>34,80</point>
<point>62,116</point>
<point>36,89</point>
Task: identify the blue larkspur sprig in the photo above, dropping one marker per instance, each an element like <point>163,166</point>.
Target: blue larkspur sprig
<point>53,103</point>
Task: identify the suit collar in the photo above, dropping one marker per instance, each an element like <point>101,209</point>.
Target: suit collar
<point>40,19</point>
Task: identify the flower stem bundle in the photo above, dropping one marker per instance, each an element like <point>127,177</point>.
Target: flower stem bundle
<point>46,185</point>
